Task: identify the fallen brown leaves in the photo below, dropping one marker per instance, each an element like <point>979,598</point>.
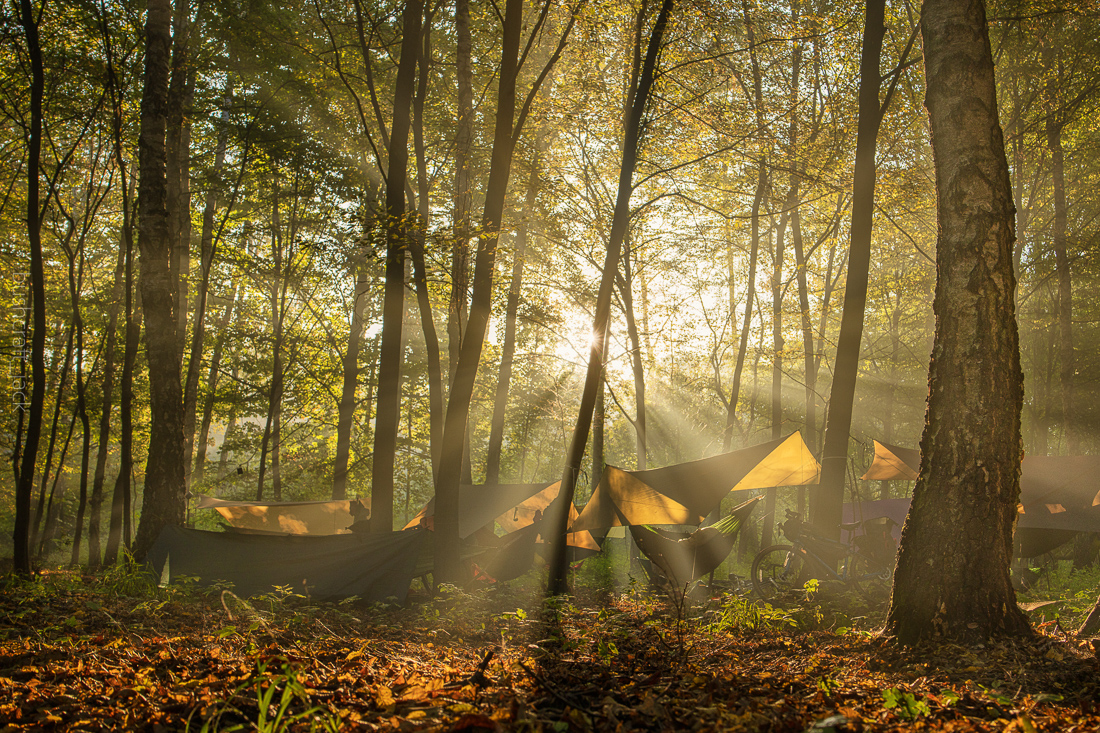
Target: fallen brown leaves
<point>73,657</point>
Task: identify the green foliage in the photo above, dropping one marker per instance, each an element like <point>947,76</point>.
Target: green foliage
<point>282,704</point>
<point>739,613</point>
<point>905,704</point>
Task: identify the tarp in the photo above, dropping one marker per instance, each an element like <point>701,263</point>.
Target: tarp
<point>687,492</point>
<point>1049,485</point>
<point>683,560</point>
<point>290,517</point>
<point>375,567</point>
<point>523,515</point>
<point>479,504</point>
<point>513,506</point>
<point>1039,530</point>
<point>893,462</point>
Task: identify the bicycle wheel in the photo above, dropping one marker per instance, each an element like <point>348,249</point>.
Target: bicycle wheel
<point>869,577</point>
<point>776,571</point>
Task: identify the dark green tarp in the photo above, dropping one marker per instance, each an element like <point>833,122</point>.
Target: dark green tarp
<point>374,567</point>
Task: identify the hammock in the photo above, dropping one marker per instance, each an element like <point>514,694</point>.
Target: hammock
<point>683,561</point>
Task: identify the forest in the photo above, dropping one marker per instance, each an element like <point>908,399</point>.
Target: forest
<point>380,252</point>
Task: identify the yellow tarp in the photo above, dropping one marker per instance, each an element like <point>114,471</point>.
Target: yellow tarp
<point>523,515</point>
<point>688,492</point>
<point>290,517</point>
<point>893,463</point>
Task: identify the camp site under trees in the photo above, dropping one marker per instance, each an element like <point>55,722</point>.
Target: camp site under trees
<point>550,365</point>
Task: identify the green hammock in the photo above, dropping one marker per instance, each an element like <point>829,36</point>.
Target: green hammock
<point>685,560</point>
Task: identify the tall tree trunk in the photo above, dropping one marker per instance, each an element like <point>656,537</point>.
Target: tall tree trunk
<point>1067,364</point>
<point>203,440</point>
<point>55,506</point>
<point>208,247</point>
<point>230,425</point>
<point>417,247</point>
<point>559,519</point>
<point>758,200</point>
<point>62,380</point>
<point>952,579</point>
<point>826,502</point>
<point>164,490</point>
<point>389,377</point>
<point>25,486</point>
<point>177,143</point>
<point>508,349</point>
<point>641,453</point>
<point>280,274</point>
<point>350,380</point>
<point>458,407</point>
<point>119,530</point>
<point>463,194</point>
<point>108,381</point>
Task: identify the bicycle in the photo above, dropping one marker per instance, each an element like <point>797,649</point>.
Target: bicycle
<point>779,570</point>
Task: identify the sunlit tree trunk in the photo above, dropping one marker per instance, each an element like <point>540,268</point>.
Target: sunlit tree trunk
<point>164,490</point>
<point>203,440</point>
<point>389,371</point>
<point>34,409</point>
<point>208,247</point>
<point>826,510</point>
<point>1066,360</point>
<point>754,224</point>
<point>177,142</point>
<point>508,349</point>
<point>350,380</point>
<point>51,443</point>
<point>463,194</point>
<point>417,240</point>
<point>620,223</point>
<point>952,579</point>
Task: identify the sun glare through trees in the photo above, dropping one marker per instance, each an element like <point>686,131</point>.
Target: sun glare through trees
<point>685,298</point>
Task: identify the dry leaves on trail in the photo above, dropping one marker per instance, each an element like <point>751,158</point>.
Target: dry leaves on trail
<point>74,658</point>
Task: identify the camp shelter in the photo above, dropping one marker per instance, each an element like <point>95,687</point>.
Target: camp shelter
<point>1038,531</point>
<point>893,462</point>
<point>687,492</point>
<point>479,504</point>
<point>1059,484</point>
<point>684,559</point>
<point>513,506</point>
<point>289,517</point>
<point>374,567</point>
<point>523,515</point>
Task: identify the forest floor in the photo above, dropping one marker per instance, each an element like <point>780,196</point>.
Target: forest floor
<point>105,653</point>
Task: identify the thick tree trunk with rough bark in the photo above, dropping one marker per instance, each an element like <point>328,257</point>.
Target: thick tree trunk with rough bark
<point>164,490</point>
<point>952,578</point>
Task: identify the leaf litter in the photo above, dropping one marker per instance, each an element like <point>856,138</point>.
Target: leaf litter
<point>77,656</point>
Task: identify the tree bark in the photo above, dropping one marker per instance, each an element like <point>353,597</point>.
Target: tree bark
<point>952,578</point>
<point>508,349</point>
<point>164,490</point>
<point>203,440</point>
<point>25,486</point>
<point>1066,361</point>
<point>388,413</point>
<point>463,194</point>
<point>559,518</point>
<point>208,248</point>
<point>826,510</point>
